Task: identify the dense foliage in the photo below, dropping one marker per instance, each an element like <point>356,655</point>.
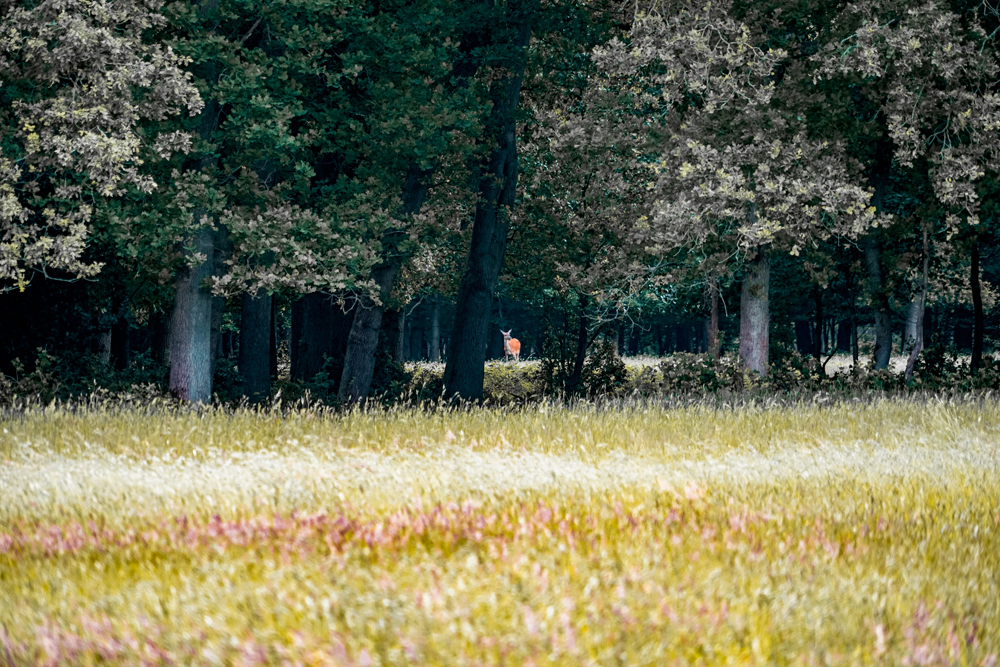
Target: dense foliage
<point>232,197</point>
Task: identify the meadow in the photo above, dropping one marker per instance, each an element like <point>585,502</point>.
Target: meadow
<point>816,533</point>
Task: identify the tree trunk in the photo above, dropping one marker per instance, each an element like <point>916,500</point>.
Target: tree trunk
<point>190,337</point>
<point>359,360</point>
<point>755,318</point>
<point>918,317</point>
<point>913,323</point>
<point>844,335</point>
<point>712,330</point>
<point>401,339</point>
<point>312,340</point>
<point>634,340</point>
<point>683,338</point>
<point>255,345</point>
<point>392,323</point>
<point>804,338</point>
<point>855,351</point>
<point>880,304</point>
<point>218,309</point>
<point>573,381</point>
<point>159,337</point>
<point>463,376</point>
<point>191,326</point>
<point>818,349</point>
<point>104,347</point>
<point>223,251</point>
<point>405,337</point>
<point>416,343</point>
<point>978,323</point>
<point>436,331</point>
<point>876,285</point>
<point>120,349</point>
<point>273,351</point>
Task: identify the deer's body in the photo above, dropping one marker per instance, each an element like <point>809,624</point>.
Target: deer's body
<point>511,346</point>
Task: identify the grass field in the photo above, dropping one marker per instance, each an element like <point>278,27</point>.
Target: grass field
<point>836,534</point>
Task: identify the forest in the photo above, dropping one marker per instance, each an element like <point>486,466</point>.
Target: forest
<point>263,264</point>
<point>232,198</point>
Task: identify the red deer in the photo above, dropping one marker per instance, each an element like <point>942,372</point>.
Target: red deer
<point>511,346</point>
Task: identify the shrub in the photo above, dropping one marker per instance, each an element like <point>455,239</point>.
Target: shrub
<point>604,373</point>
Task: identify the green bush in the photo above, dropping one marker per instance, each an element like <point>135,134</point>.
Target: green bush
<point>57,377</point>
<point>604,373</point>
<point>508,384</point>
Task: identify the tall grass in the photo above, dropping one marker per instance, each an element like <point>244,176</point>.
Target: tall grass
<point>842,533</point>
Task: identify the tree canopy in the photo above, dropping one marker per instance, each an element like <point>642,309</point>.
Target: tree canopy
<point>303,175</point>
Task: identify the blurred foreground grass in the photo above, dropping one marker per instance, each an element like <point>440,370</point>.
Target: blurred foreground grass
<point>850,533</point>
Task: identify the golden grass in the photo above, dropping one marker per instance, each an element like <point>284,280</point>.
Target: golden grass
<point>848,533</point>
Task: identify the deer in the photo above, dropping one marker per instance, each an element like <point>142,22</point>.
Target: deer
<point>511,346</point>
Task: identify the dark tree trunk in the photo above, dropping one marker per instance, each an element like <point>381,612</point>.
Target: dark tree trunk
<point>876,285</point>
<point>120,351</point>
<point>191,326</point>
<point>463,376</point>
<point>312,340</point>
<point>573,381</point>
<point>962,336</point>
<point>392,325</point>
<point>405,336</point>
<point>755,317</point>
<point>190,337</point>
<point>978,323</point>
<point>804,337</point>
<point>218,309</point>
<point>159,338</point>
<point>359,357</point>
<point>620,338</point>
<point>343,321</point>
<point>880,304</point>
<point>436,331</point>
<point>683,338</point>
<point>255,346</point>
<point>273,352</point>
<point>223,251</point>
<point>855,350</point>
<point>844,335</point>
<point>918,316</point>
<point>416,343</point>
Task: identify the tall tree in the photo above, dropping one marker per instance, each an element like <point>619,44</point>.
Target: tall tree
<point>738,168</point>
<point>509,35</point>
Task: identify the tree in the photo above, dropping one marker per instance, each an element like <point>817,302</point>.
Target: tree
<point>584,191</point>
<point>78,79</point>
<point>924,72</point>
<point>509,33</point>
<point>738,168</point>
